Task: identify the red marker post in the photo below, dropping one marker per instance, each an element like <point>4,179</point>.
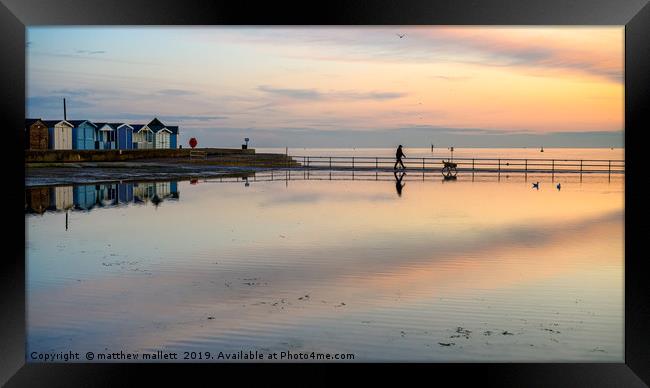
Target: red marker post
<point>193,142</point>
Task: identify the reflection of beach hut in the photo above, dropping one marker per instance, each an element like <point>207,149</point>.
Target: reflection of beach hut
<point>60,134</point>
<point>84,197</point>
<point>83,134</point>
<point>105,135</point>
<point>125,192</point>
<point>107,194</point>
<point>61,198</point>
<point>162,189</point>
<point>38,199</point>
<point>173,189</point>
<point>142,137</point>
<point>124,138</point>
<point>36,135</point>
<point>142,192</point>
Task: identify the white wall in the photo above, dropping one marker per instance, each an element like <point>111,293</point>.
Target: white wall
<point>62,137</point>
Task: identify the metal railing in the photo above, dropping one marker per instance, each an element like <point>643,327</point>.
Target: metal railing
<point>498,165</point>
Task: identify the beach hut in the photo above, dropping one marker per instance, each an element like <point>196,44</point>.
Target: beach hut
<point>162,138</point>
<point>60,134</point>
<point>124,138</point>
<point>105,135</point>
<point>143,137</point>
<point>36,135</point>
<point>161,134</point>
<point>83,134</point>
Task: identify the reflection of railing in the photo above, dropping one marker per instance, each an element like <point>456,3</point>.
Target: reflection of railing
<point>498,165</point>
<point>379,175</point>
<point>198,155</point>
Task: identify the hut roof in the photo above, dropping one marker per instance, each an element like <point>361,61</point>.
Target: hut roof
<point>52,123</point>
<point>30,122</point>
<point>110,125</point>
<point>77,123</point>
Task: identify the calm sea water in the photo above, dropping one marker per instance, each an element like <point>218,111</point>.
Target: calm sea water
<point>484,268</point>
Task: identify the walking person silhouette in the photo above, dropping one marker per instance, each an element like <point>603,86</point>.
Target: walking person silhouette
<point>398,156</point>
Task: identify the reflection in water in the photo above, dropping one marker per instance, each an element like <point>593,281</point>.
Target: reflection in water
<point>472,271</point>
<point>398,183</point>
<point>86,197</point>
<point>41,199</point>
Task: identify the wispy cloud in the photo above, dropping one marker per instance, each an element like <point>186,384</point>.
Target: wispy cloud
<point>301,94</point>
<point>515,48</point>
<point>314,94</point>
<point>450,78</point>
<point>47,103</point>
<point>540,48</point>
<point>73,92</point>
<point>170,118</point>
<point>90,52</point>
<point>175,92</point>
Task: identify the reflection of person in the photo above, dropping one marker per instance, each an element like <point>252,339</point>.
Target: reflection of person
<point>398,156</point>
<point>398,182</point>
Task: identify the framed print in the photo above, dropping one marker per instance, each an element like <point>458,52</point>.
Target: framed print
<point>454,188</point>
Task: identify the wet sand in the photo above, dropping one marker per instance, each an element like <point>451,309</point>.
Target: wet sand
<point>84,173</point>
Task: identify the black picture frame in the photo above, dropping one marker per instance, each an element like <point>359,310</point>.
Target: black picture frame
<point>15,15</point>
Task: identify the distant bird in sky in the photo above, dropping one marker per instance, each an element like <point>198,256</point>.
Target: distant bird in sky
<point>559,186</point>
<point>536,185</point>
<point>401,35</point>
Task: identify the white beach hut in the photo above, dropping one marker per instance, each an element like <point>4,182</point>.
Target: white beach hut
<point>60,132</point>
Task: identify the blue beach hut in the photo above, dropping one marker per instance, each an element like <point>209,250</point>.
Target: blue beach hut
<point>173,137</point>
<point>83,134</point>
<point>105,135</point>
<point>124,138</point>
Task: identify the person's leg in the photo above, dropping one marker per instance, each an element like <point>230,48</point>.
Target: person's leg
<point>395,166</point>
<point>402,164</point>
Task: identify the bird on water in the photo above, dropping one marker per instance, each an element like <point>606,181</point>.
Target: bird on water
<point>401,35</point>
<point>559,186</point>
<point>536,185</point>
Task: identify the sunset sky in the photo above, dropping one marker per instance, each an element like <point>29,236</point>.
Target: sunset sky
<point>339,86</point>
